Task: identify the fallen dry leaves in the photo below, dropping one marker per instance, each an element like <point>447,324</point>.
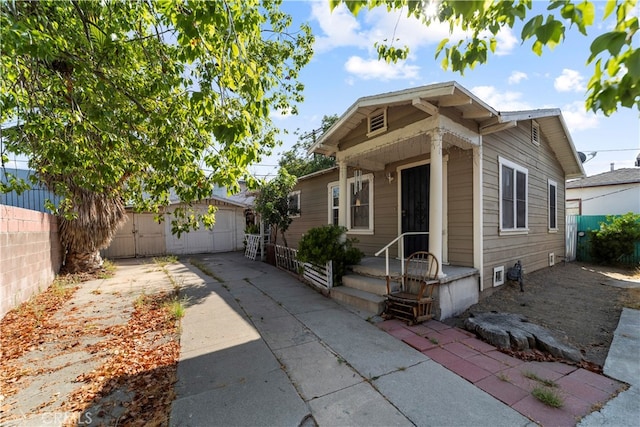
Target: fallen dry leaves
<point>133,384</point>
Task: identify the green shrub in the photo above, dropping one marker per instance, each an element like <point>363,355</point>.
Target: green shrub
<point>616,238</point>
<point>327,243</point>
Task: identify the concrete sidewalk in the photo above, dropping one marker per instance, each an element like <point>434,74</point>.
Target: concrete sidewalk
<point>261,348</point>
<point>623,363</point>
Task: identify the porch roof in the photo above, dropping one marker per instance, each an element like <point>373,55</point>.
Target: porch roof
<point>431,98</point>
<point>428,98</point>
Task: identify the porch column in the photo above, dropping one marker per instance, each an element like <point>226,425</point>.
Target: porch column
<point>436,197</point>
<point>342,196</point>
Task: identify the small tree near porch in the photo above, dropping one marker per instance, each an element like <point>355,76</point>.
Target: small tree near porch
<point>272,203</point>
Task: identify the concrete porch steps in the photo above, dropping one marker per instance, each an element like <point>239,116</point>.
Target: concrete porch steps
<point>359,299</point>
<point>363,288</point>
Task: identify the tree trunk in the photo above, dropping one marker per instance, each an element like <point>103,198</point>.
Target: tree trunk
<point>96,220</point>
<point>83,262</point>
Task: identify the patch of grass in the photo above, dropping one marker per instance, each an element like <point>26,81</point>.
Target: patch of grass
<point>140,301</point>
<point>108,269</point>
<point>434,341</point>
<point>204,269</point>
<point>163,261</point>
<point>548,396</point>
<point>543,381</point>
<point>176,308</point>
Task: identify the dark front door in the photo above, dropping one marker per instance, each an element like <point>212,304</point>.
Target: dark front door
<point>415,207</point>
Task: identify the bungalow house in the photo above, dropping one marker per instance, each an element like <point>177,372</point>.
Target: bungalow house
<point>479,188</point>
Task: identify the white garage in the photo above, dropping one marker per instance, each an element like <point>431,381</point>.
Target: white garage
<point>227,235</point>
<point>141,235</point>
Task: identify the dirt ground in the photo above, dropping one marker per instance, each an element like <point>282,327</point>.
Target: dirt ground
<point>580,301</point>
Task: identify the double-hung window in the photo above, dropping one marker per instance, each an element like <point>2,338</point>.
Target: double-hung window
<point>553,205</point>
<point>293,204</point>
<point>513,196</point>
<point>359,204</point>
<point>334,203</point>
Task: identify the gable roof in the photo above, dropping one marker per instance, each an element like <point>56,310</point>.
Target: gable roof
<point>451,94</point>
<point>614,177</point>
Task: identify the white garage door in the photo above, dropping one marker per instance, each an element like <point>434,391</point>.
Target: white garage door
<point>222,238</point>
<point>140,235</point>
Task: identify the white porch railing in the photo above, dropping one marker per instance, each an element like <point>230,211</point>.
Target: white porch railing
<point>321,276</point>
<point>399,239</point>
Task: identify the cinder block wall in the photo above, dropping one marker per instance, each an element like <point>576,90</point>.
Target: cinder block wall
<point>30,254</point>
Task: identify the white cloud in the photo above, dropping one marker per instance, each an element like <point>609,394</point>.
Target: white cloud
<point>578,118</point>
<point>506,42</point>
<point>501,100</point>
<point>569,81</point>
<point>380,70</point>
<point>516,77</point>
<point>339,28</point>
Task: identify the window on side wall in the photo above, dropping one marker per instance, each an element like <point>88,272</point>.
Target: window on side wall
<point>359,202</point>
<point>513,196</point>
<point>293,203</point>
<point>553,205</point>
<point>334,202</point>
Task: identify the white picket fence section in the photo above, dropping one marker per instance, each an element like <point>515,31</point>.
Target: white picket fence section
<point>321,276</point>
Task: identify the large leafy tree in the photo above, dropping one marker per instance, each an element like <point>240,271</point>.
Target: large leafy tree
<point>614,55</point>
<point>123,102</point>
<point>297,161</point>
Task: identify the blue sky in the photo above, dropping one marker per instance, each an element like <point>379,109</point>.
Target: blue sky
<point>345,67</point>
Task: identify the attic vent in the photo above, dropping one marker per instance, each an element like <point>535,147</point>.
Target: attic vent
<point>535,132</point>
<point>377,122</point>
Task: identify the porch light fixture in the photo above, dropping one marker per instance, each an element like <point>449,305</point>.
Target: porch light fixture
<point>390,177</point>
<point>357,175</point>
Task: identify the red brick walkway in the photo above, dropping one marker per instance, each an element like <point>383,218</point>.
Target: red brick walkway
<point>507,378</point>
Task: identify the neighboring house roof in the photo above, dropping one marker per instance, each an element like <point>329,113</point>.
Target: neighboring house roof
<point>615,177</point>
<point>450,94</point>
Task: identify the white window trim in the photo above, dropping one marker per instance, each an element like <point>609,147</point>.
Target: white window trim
<point>517,168</point>
<point>294,193</point>
<point>382,129</point>
<point>330,187</point>
<point>550,183</point>
<point>365,177</point>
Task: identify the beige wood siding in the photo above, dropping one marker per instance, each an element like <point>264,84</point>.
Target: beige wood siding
<point>314,210</point>
<point>397,118</point>
<point>533,247</point>
<point>313,206</point>
<point>460,207</point>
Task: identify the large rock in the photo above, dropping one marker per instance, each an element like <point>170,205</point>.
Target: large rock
<point>513,331</point>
